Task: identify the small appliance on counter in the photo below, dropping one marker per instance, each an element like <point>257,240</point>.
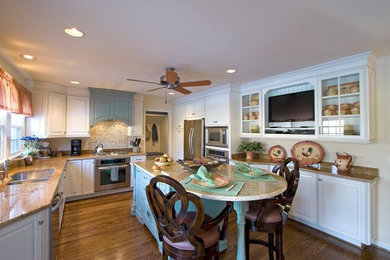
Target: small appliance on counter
<point>75,147</point>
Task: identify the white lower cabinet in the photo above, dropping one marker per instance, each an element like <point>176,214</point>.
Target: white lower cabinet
<point>79,178</point>
<point>26,239</point>
<point>305,201</point>
<point>341,207</point>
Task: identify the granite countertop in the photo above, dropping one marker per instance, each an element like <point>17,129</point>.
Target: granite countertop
<point>21,200</point>
<point>250,191</point>
<point>356,173</point>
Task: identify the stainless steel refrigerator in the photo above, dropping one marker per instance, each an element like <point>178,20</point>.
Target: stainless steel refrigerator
<point>194,139</point>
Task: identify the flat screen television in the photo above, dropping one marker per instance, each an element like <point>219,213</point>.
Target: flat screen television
<point>294,107</point>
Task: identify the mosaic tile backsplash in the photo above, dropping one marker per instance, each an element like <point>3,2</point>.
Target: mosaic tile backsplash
<point>110,133</point>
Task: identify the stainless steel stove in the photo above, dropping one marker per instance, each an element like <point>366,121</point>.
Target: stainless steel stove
<point>112,172</point>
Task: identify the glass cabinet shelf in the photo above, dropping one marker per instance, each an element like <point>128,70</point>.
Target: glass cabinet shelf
<point>250,113</point>
<point>340,105</point>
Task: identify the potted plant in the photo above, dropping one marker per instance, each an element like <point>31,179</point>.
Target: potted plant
<point>31,146</point>
<point>250,148</point>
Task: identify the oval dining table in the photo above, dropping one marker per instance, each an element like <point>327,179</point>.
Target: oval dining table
<point>252,190</point>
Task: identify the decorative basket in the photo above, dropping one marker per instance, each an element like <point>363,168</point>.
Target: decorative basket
<point>194,167</point>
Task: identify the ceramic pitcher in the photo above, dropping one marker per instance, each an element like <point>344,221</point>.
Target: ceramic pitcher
<point>343,162</point>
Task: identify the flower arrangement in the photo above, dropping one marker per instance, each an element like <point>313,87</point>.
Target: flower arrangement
<point>31,146</point>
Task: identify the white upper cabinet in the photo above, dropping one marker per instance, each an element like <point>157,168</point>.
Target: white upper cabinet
<point>77,123</point>
<point>136,129</point>
<point>179,115</point>
<point>250,114</point>
<point>344,106</point>
<point>57,114</point>
<point>217,110</point>
<point>36,125</point>
<point>195,109</point>
<point>344,96</point>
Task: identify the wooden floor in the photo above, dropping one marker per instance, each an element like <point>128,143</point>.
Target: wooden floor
<point>103,228</point>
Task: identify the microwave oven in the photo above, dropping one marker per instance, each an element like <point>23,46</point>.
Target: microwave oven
<point>217,136</point>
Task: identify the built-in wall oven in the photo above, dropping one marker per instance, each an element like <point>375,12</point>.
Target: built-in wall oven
<point>112,173</point>
<point>217,136</point>
<point>219,154</point>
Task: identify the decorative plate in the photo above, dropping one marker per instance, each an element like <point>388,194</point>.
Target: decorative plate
<point>277,153</point>
<point>307,152</point>
<point>218,180</point>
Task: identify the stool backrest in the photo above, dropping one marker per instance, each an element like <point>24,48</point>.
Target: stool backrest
<point>292,178</point>
<point>176,227</point>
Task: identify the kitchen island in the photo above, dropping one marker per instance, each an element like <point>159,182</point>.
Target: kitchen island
<point>251,190</point>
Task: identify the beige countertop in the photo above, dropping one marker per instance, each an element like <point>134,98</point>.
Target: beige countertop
<point>21,200</point>
<point>250,190</point>
<point>356,173</point>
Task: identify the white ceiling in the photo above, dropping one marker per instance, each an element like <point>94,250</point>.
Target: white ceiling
<point>201,38</point>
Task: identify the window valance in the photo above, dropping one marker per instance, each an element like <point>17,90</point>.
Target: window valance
<point>13,96</point>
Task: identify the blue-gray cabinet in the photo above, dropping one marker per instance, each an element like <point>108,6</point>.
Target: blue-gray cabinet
<point>110,104</point>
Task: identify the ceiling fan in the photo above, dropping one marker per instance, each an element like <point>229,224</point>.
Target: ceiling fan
<point>171,81</point>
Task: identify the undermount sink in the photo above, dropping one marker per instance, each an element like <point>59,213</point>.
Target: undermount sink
<point>38,175</point>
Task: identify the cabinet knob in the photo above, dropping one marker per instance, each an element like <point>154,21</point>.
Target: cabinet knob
<point>215,121</point>
<point>40,222</point>
<point>193,114</point>
<point>319,179</point>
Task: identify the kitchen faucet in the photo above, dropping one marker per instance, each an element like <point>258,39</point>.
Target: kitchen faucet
<point>4,176</point>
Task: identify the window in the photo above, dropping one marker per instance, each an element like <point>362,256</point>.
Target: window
<point>16,134</point>
<point>17,126</point>
<point>1,141</point>
<point>3,120</point>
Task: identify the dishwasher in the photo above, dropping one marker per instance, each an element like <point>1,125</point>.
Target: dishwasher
<point>57,212</point>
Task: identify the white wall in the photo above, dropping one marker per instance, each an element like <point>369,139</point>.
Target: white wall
<point>375,154</point>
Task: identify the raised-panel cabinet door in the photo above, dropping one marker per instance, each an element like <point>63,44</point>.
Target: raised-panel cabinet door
<point>88,176</point>
<point>73,181</point>
<point>35,125</point>
<point>136,129</point>
<point>77,116</point>
<point>57,114</point>
<point>221,114</point>
<point>179,144</point>
<point>304,205</point>
<point>341,205</point>
<point>199,107</point>
<point>27,238</point>
<point>179,115</point>
<point>210,111</point>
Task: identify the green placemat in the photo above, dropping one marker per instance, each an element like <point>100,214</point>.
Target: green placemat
<point>263,178</point>
<point>187,183</point>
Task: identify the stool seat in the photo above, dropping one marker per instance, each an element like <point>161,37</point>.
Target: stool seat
<point>268,213</point>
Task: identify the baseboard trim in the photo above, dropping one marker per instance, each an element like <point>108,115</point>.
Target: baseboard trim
<point>99,193</point>
<point>381,245</point>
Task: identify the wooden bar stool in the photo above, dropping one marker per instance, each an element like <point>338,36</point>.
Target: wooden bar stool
<point>185,234</point>
<point>270,215</point>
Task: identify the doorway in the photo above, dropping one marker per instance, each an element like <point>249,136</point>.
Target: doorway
<point>156,133</point>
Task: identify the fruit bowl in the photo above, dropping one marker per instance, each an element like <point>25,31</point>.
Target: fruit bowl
<point>162,164</point>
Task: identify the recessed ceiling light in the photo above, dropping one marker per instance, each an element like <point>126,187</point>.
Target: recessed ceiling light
<point>171,93</point>
<point>75,82</point>
<point>27,57</point>
<point>230,71</point>
<point>74,32</point>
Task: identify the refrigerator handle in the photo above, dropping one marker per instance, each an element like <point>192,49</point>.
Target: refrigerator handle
<point>192,141</point>
<point>189,141</point>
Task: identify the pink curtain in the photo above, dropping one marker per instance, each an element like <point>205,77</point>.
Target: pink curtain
<point>13,96</point>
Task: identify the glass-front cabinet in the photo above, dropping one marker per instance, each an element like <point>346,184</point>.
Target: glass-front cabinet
<point>250,114</point>
<point>340,101</point>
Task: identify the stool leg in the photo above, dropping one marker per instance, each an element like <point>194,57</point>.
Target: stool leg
<point>279,244</point>
<point>246,242</point>
<point>271,246</point>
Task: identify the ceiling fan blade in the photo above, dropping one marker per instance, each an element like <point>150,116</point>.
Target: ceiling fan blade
<point>182,90</point>
<point>171,76</point>
<point>143,81</point>
<point>195,83</point>
<point>155,89</point>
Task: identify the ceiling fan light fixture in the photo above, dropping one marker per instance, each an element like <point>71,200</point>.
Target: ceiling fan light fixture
<point>74,32</point>
<point>27,56</point>
<point>231,71</point>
